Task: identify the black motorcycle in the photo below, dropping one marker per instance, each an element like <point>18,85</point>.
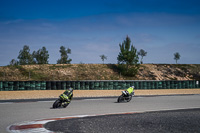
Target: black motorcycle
<point>62,101</point>
<point>125,97</point>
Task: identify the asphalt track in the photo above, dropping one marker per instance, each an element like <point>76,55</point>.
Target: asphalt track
<point>12,113</point>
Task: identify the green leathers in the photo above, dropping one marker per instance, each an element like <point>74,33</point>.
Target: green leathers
<point>68,94</point>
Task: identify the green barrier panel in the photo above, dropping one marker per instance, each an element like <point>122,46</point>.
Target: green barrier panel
<point>21,85</point>
<point>1,86</point>
<point>10,85</point>
<point>87,85</point>
<point>73,84</point>
<point>148,86</point>
<point>136,84</point>
<point>78,86</point>
<point>192,84</point>
<point>164,85</point>
<point>110,85</point>
<point>151,85</point>
<point>197,84</point>
<point>139,85</point>
<point>187,84</point>
<point>101,84</point>
<point>128,85</point>
<point>16,85</point>
<point>82,85</point>
<point>53,85</point>
<point>155,84</point>
<point>123,85</point>
<point>106,85</point>
<point>175,85</point>
<point>115,85</point>
<point>27,85</point>
<point>48,85</point>
<point>132,84</point>
<point>37,85</point>
<point>167,84</point>
<point>171,84</point>
<point>184,84</point>
<point>32,85</point>
<point>144,85</point>
<point>5,86</point>
<point>91,85</point>
<point>43,85</point>
<point>96,85</point>
<point>119,87</point>
<point>58,85</point>
<point>63,85</point>
<point>179,85</point>
<point>68,85</point>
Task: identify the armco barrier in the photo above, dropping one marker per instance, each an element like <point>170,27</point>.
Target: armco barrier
<point>97,85</point>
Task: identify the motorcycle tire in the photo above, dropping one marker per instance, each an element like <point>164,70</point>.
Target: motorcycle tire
<point>120,99</point>
<point>129,99</point>
<point>65,105</point>
<point>57,103</point>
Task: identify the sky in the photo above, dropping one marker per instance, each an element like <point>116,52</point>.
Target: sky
<point>91,28</point>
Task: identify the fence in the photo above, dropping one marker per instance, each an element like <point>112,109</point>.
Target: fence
<point>96,85</point>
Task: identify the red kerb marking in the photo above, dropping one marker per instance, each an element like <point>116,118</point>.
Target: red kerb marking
<point>15,127</point>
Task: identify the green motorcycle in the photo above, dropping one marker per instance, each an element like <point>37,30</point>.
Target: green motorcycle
<point>64,99</point>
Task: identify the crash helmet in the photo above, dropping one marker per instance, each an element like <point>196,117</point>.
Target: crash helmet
<point>132,87</point>
<point>70,89</point>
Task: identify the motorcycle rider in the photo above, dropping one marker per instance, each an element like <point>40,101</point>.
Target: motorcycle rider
<point>129,91</point>
<point>68,94</point>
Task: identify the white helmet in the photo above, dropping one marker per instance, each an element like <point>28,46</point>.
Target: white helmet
<point>133,87</point>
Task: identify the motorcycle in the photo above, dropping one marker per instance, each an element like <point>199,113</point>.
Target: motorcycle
<point>125,97</point>
<point>62,101</point>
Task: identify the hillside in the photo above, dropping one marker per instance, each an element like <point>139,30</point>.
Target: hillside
<point>98,72</point>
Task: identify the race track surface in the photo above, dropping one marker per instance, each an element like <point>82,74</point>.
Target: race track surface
<point>179,121</point>
<point>12,113</point>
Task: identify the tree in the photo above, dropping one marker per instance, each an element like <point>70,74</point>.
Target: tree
<point>142,53</point>
<point>103,57</point>
<point>128,58</point>
<point>177,56</point>
<point>25,58</point>
<point>14,62</point>
<point>41,56</point>
<point>64,56</point>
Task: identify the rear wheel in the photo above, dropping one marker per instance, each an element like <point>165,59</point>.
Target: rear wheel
<point>129,99</point>
<point>65,105</point>
<point>57,103</point>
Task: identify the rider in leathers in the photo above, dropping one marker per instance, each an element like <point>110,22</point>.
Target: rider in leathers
<point>129,91</point>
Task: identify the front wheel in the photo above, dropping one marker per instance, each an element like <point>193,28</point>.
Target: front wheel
<point>57,103</point>
<point>120,99</point>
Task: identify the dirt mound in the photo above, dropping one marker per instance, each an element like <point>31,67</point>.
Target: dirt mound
<point>98,72</point>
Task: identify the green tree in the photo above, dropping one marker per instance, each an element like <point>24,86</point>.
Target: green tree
<point>25,58</point>
<point>142,53</point>
<point>64,56</point>
<point>103,57</point>
<point>41,56</point>
<point>177,56</point>
<point>128,58</point>
<point>14,62</point>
